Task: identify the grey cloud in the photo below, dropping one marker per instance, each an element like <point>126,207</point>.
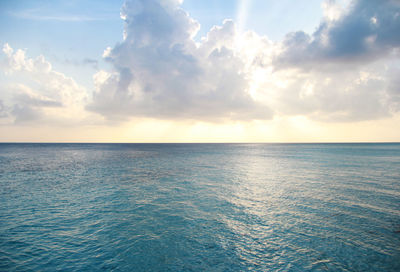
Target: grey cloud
<point>340,73</point>
<point>25,114</point>
<point>369,30</point>
<point>3,111</point>
<point>32,101</point>
<point>28,107</point>
<point>92,62</point>
<point>394,88</point>
<point>84,62</point>
<point>161,73</point>
<point>349,63</point>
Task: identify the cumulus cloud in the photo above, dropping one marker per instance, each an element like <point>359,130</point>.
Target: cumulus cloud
<point>394,87</point>
<point>366,31</point>
<point>37,92</point>
<point>339,96</point>
<point>346,71</point>
<point>161,72</point>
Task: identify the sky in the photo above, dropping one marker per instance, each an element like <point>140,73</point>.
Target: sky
<point>200,71</point>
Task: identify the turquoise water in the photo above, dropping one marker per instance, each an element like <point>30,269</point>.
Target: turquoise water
<point>199,207</point>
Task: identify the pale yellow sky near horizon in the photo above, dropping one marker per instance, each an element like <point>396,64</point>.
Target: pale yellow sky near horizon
<point>290,129</point>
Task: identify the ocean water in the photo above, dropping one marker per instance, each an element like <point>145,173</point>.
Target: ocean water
<point>199,207</point>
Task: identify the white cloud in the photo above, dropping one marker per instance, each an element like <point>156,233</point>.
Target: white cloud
<point>37,92</point>
<point>346,71</point>
<point>331,96</point>
<point>161,72</point>
<point>348,61</point>
<point>332,10</point>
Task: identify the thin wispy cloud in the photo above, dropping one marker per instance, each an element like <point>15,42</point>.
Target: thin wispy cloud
<point>38,15</point>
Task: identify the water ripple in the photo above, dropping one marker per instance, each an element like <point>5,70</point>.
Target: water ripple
<point>203,207</point>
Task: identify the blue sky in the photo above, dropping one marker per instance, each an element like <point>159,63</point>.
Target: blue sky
<point>67,32</point>
<point>267,17</point>
<point>197,70</point>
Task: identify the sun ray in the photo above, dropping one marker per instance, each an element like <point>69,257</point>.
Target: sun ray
<point>242,14</point>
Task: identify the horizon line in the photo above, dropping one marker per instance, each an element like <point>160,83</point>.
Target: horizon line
<point>360,142</point>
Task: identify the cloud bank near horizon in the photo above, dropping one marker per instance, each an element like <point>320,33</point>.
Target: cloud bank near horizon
<point>35,92</point>
<point>346,71</point>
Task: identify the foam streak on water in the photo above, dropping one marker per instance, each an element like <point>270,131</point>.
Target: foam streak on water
<point>200,207</point>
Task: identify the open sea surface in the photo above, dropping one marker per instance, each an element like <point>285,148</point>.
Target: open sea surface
<point>199,207</point>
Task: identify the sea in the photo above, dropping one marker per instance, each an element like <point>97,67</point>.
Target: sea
<point>200,207</point>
